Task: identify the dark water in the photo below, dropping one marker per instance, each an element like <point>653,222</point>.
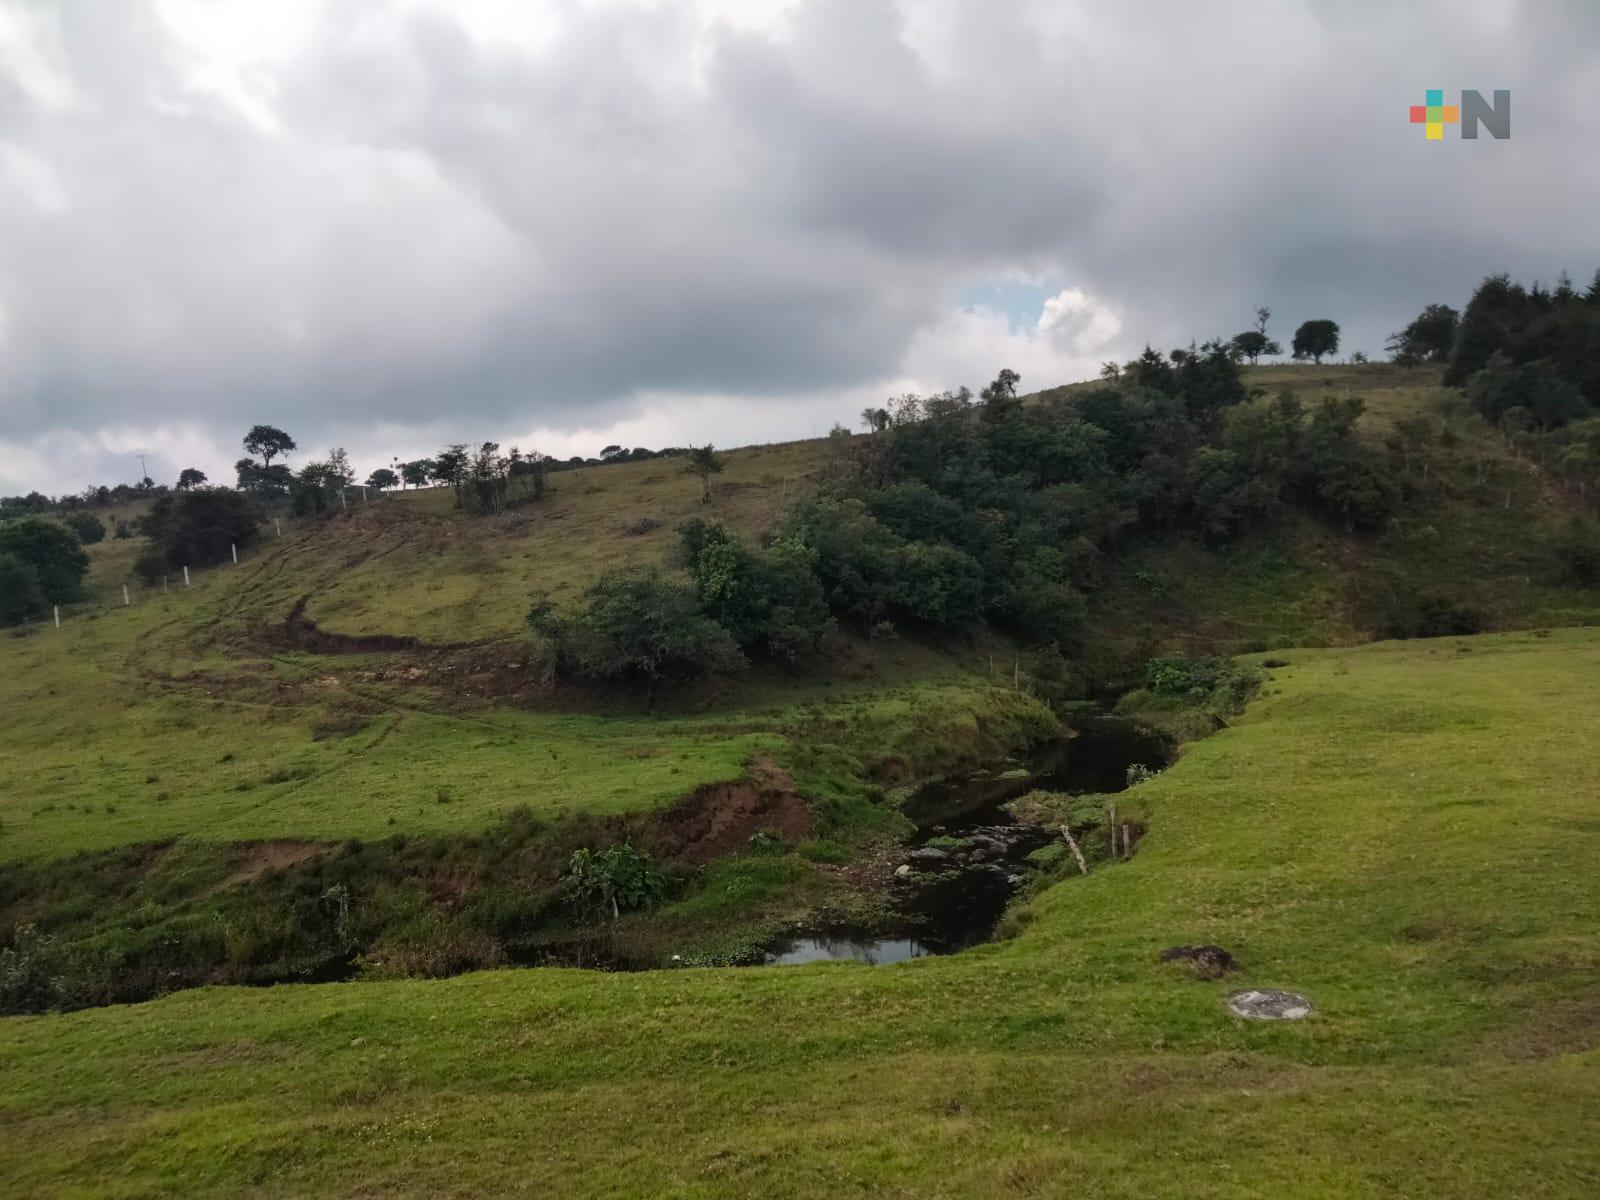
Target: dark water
<point>953,896</point>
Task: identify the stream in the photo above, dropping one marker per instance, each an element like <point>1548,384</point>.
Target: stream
<point>969,855</point>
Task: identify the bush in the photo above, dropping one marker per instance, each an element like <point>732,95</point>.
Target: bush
<point>637,624</point>
<point>939,584</point>
<point>1577,550</point>
<point>612,880</point>
<point>195,529</point>
<point>88,527</point>
<point>20,596</point>
<point>27,973</point>
<point>52,552</point>
<point>1218,683</point>
<point>1439,616</point>
<point>770,601</point>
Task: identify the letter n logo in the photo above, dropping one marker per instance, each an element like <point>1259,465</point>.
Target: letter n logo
<point>1475,111</point>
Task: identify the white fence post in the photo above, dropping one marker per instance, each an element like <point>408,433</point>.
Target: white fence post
<point>186,577</point>
<point>278,525</point>
<point>125,600</point>
<point>58,616</point>
<point>235,548</point>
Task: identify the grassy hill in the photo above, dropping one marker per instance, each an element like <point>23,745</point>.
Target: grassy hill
<point>363,675</point>
<point>340,742</point>
<point>1404,832</point>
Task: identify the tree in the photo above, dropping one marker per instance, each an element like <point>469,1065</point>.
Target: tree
<point>1338,472</point>
<point>487,475</point>
<point>52,551</point>
<point>529,472</point>
<point>189,478</point>
<point>1503,386</point>
<point>770,601</point>
<point>451,465</point>
<point>340,473</point>
<point>704,462</point>
<point>20,595</point>
<point>1253,343</point>
<point>88,528</point>
<point>1428,339</point>
<point>418,472</point>
<point>1000,401</point>
<point>267,442</point>
<point>195,529</point>
<point>639,624</point>
<point>875,419</point>
<point>382,478</point>
<point>266,482</point>
<point>1315,338</point>
<point>314,489</point>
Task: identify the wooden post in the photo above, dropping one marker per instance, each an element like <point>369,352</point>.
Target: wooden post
<point>164,588</point>
<point>342,503</point>
<point>1066,832</point>
<point>278,525</point>
<point>1111,822</point>
<point>186,577</point>
<point>58,616</point>
<point>234,546</point>
<point>1016,675</point>
<point>125,600</point>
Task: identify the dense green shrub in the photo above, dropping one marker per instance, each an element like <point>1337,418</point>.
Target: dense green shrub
<point>770,601</point>
<point>636,623</point>
<point>1577,549</point>
<point>614,880</point>
<point>1219,682</point>
<point>195,529</point>
<point>20,594</point>
<point>53,558</point>
<point>88,527</point>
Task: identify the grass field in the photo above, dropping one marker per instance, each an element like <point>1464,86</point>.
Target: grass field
<point>1405,832</point>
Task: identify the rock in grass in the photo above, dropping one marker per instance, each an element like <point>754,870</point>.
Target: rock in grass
<point>1269,1004</point>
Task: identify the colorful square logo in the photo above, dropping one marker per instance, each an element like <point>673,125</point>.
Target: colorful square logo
<point>1434,114</point>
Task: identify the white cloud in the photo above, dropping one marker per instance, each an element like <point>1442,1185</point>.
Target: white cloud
<point>400,222</point>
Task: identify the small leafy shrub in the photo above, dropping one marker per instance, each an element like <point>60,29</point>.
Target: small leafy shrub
<point>614,880</point>
<point>1201,679</point>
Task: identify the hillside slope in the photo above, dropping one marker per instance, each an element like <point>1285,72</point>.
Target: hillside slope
<point>1404,832</point>
<point>365,679</point>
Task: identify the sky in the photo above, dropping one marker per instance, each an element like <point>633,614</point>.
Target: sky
<point>392,224</point>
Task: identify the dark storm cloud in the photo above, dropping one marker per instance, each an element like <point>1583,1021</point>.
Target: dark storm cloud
<point>401,220</point>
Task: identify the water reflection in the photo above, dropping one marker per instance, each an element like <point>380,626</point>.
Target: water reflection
<point>876,951</point>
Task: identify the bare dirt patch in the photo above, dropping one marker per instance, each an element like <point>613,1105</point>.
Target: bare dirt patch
<point>255,859</point>
<point>720,818</point>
